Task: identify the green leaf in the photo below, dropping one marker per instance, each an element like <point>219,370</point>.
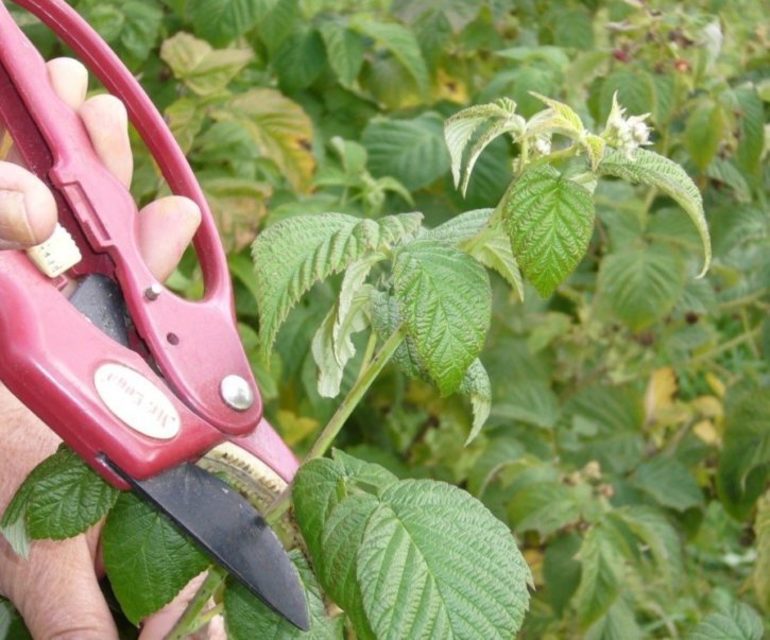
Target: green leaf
<point>751,136</point>
<point>761,571</point>
<point>299,60</point>
<point>280,129</point>
<point>321,484</point>
<point>669,482</point>
<point>736,622</point>
<point>572,27</point>
<point>601,574</point>
<point>655,533</point>
<point>435,563</point>
<point>475,383</point>
<point>641,285</point>
<point>147,559</point>
<point>294,254</point>
<point>68,497</point>
<point>12,625</point>
<point>745,461</point>
<point>635,89</point>
<point>387,318</point>
<point>549,220</point>
<point>220,21</point>
<point>725,172</point>
<point>610,421</point>
<point>487,242</point>
<point>141,25</point>
<point>478,388</point>
<point>61,498</point>
<point>412,151</point>
<point>594,146</point>
<point>649,168</point>
<point>561,571</point>
<point>703,133</point>
<point>617,624</point>
<point>344,50</point>
<point>342,538</point>
<point>283,17</point>
<point>459,13</point>
<point>185,118</point>
<point>558,118</point>
<point>332,346</point>
<point>461,228</point>
<point>247,617</point>
<point>445,300</point>
<point>400,42</point>
<point>544,507</point>
<point>469,132</point>
<point>530,400</point>
<point>203,69</point>
<point>333,501</point>
<point>13,525</point>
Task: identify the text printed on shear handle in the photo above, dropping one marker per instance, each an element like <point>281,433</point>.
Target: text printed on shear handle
<point>136,401</point>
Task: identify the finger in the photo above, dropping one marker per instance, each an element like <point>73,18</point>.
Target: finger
<point>166,227</point>
<point>27,208</point>
<point>58,595</point>
<point>106,121</point>
<point>158,625</point>
<point>69,79</point>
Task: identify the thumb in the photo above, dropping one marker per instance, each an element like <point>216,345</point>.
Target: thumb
<point>60,597</point>
<point>27,208</point>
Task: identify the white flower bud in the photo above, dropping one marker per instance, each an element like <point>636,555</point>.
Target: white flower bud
<point>542,145</point>
<point>625,134</point>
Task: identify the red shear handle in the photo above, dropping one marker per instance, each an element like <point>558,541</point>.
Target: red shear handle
<point>195,344</point>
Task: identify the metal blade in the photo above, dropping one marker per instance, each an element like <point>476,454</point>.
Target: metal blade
<point>221,521</point>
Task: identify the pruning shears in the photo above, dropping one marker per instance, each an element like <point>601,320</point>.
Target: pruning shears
<point>139,382</point>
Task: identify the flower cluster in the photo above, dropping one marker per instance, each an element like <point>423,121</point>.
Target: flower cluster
<point>626,134</point>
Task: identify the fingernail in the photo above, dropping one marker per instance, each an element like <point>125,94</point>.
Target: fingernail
<point>14,223</point>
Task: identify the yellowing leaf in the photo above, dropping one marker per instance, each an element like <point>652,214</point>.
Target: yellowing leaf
<point>660,392</point>
<point>534,559</point>
<point>295,428</point>
<point>449,87</point>
<point>238,206</point>
<point>279,127</point>
<point>761,574</point>
<point>716,385</point>
<point>203,69</point>
<point>707,432</point>
<point>708,406</point>
<point>185,118</point>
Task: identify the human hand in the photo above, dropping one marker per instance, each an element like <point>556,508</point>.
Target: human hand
<point>56,588</point>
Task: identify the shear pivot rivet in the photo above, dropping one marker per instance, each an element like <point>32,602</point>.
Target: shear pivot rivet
<point>152,292</point>
<point>236,392</point>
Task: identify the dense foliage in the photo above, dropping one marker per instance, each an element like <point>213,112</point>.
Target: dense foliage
<point>612,407</point>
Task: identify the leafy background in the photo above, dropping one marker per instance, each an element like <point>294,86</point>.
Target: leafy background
<point>628,445</point>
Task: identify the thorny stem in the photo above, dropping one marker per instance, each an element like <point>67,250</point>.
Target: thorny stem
<point>193,617</point>
<point>369,371</point>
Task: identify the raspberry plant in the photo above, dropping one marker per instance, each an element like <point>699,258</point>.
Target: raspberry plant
<point>550,369</point>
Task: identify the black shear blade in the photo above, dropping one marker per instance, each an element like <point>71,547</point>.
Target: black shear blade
<point>221,521</point>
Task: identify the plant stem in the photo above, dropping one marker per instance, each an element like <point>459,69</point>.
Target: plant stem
<point>369,372</point>
<point>726,346</point>
<point>371,345</point>
<point>193,619</point>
